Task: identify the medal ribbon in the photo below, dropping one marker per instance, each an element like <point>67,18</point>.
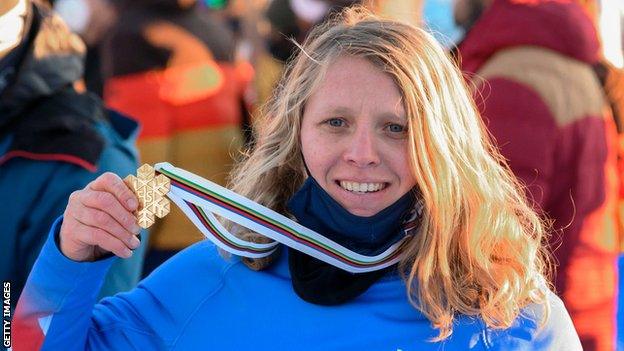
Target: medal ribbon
<point>201,199</point>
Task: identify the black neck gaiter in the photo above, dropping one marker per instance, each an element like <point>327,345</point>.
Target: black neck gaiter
<point>321,283</point>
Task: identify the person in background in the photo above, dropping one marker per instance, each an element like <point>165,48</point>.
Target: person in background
<point>611,76</point>
<point>531,62</point>
<point>171,67</point>
<point>91,20</point>
<point>289,21</point>
<point>53,140</point>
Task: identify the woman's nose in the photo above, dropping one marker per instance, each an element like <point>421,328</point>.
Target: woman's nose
<point>362,150</point>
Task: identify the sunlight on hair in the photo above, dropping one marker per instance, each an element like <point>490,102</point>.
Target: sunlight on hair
<point>479,249</point>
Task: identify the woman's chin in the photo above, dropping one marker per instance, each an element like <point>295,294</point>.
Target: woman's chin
<point>363,212</point>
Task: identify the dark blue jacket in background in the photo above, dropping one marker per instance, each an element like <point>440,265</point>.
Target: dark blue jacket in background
<point>53,141</point>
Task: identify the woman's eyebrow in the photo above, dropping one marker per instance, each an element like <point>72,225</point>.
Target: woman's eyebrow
<point>393,116</point>
<point>346,111</point>
<point>339,110</point>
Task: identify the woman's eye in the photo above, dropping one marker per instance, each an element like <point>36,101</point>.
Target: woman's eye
<point>335,122</point>
<point>396,128</point>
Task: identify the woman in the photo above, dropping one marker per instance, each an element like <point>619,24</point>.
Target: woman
<point>370,130</point>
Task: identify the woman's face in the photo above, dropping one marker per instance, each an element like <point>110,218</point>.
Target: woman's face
<point>354,137</point>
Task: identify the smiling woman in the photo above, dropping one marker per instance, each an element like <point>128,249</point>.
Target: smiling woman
<point>371,141</point>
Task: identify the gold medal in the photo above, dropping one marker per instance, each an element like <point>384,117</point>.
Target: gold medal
<point>151,191</point>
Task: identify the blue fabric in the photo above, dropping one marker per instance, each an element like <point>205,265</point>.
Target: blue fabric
<point>197,300</point>
<point>35,192</point>
<point>317,210</point>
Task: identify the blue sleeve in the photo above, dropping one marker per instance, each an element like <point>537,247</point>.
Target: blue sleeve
<point>57,308</point>
<point>58,305</point>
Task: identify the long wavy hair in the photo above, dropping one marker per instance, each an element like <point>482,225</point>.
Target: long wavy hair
<point>479,248</point>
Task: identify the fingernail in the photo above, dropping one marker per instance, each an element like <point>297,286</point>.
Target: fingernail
<point>134,242</point>
<point>132,203</point>
<point>136,229</point>
<point>127,253</point>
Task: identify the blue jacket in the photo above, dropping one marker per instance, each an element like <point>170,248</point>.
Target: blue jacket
<point>197,300</point>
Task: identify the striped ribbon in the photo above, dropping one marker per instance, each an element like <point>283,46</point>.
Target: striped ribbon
<point>201,199</point>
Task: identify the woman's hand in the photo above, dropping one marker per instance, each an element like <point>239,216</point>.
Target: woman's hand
<point>99,219</point>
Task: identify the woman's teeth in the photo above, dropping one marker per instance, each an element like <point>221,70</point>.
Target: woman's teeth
<point>361,187</point>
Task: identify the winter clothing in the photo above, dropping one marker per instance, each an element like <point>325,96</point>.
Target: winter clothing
<point>323,284</point>
<point>197,300</point>
<point>53,141</point>
<point>531,62</point>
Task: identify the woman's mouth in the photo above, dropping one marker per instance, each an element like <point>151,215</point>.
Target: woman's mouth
<point>361,188</point>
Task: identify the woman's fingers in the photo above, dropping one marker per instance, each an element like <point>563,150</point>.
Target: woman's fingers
<point>111,183</point>
<point>110,208</point>
<point>95,218</point>
<point>81,242</point>
<point>99,218</point>
<point>96,237</point>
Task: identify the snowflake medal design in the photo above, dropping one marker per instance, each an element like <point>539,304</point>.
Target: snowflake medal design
<point>151,191</point>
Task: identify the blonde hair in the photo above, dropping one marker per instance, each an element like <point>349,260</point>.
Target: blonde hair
<point>479,251</point>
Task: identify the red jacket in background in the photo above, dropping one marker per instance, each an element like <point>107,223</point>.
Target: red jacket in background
<point>531,63</point>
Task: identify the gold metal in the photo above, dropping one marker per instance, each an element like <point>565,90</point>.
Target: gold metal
<point>151,191</point>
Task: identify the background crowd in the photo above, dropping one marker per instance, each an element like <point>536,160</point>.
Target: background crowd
<point>184,77</point>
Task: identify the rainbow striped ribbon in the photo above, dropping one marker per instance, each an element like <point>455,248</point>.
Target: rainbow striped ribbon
<point>200,199</point>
